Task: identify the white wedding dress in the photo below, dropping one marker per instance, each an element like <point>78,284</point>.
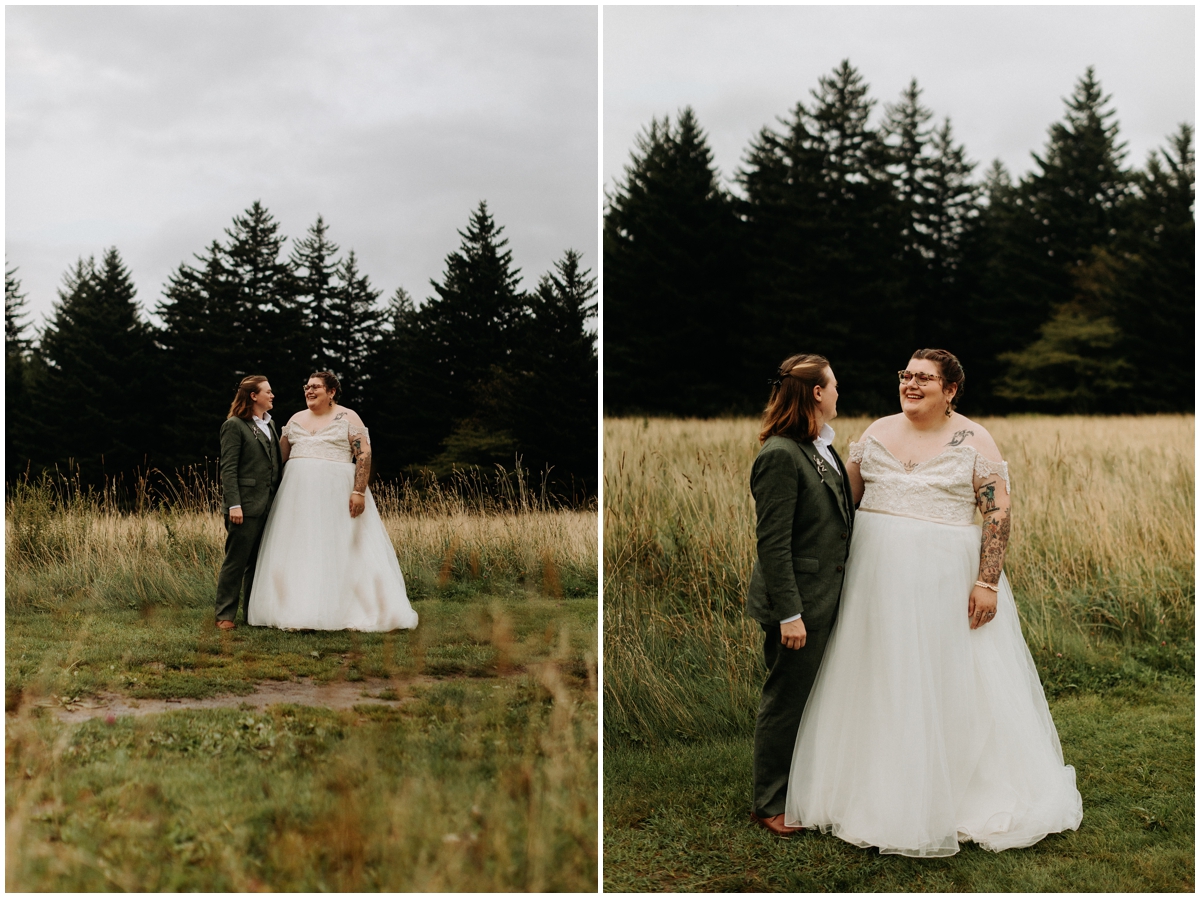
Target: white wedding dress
<point>920,732</point>
<point>318,568</point>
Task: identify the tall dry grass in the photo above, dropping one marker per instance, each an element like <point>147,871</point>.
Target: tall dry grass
<point>167,545</point>
<point>1102,551</point>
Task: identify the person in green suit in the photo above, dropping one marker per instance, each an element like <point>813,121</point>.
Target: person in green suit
<point>805,511</point>
<point>251,467</point>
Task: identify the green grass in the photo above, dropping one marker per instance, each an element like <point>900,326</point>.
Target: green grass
<point>676,817</point>
<point>482,776</point>
<point>1102,562</point>
<point>177,653</point>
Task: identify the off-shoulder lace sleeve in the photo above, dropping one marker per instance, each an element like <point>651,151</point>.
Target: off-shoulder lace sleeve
<point>856,452</point>
<point>985,467</point>
<point>358,431</point>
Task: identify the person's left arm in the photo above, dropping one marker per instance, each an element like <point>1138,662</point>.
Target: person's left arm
<point>360,451</point>
<point>995,504</point>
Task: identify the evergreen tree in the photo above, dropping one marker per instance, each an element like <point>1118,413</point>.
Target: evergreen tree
<point>939,206</point>
<point>545,399</point>
<point>466,330</point>
<point>826,243</point>
<point>906,124</point>
<point>1069,215</point>
<point>15,312</point>
<point>1074,366</point>
<point>18,429</point>
<point>353,329</point>
<point>315,264</point>
<point>203,351</point>
<point>1075,200</point>
<point>100,399</point>
<point>406,429</point>
<point>265,299</point>
<point>1000,288</point>
<point>673,276</point>
<point>1156,307</point>
<point>234,314</point>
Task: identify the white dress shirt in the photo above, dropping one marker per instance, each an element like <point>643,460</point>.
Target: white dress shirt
<point>823,441</point>
<point>264,424</point>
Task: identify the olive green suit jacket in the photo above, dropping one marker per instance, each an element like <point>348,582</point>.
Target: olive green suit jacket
<point>251,466</point>
<point>804,517</point>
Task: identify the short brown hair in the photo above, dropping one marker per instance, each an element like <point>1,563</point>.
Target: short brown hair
<point>949,367</point>
<point>792,409</point>
<point>243,405</point>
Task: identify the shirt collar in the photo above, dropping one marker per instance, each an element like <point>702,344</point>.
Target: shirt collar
<point>266,418</point>
<point>826,435</point>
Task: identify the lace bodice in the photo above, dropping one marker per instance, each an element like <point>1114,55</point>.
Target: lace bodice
<point>939,489</point>
<point>331,443</point>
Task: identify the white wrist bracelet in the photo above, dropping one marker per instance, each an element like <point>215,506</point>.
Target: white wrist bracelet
<point>987,586</point>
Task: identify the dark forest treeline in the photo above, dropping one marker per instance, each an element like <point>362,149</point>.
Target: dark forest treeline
<point>1071,290</point>
<point>482,373</point>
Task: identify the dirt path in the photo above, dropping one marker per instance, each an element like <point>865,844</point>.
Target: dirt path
<point>301,691</point>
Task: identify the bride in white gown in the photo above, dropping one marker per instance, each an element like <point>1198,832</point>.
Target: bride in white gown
<point>326,562</point>
<point>927,725</point>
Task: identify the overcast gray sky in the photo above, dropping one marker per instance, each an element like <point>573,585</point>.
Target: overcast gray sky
<point>999,72</point>
<point>149,128</point>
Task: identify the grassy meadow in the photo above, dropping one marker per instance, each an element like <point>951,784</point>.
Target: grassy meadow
<point>1102,565</point>
<point>478,772</point>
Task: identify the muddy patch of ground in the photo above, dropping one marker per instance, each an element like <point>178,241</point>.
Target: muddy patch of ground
<point>338,695</point>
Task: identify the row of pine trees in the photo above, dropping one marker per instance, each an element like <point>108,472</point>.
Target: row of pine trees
<point>863,237</point>
<point>482,373</point>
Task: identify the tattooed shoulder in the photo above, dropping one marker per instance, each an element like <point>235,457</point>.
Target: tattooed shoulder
<point>960,436</point>
<point>339,416</point>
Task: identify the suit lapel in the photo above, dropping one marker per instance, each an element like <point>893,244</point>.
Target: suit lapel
<point>259,437</point>
<point>831,478</point>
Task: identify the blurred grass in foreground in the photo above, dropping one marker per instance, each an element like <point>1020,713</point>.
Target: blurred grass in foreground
<point>484,781</point>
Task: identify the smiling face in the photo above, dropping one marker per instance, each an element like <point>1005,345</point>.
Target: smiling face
<point>316,395</point>
<point>917,399</point>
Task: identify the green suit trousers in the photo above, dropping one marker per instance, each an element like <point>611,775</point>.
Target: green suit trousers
<point>237,570</point>
<point>790,676</point>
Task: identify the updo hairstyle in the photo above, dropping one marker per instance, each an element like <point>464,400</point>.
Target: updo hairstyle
<point>792,409</point>
<point>950,369</point>
<point>243,405</point>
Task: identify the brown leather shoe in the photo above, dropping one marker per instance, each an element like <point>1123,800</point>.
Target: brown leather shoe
<point>225,625</point>
<point>776,825</point>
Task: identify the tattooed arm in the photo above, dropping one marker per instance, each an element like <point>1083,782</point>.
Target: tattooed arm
<point>360,451</point>
<point>995,506</point>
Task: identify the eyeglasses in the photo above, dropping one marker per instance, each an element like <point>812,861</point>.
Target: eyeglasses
<point>922,379</point>
<point>313,387</point>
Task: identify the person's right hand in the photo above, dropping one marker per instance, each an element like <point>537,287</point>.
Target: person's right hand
<point>793,634</point>
<point>235,516</point>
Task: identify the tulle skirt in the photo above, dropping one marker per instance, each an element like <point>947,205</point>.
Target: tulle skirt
<point>919,732</point>
<point>320,569</point>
